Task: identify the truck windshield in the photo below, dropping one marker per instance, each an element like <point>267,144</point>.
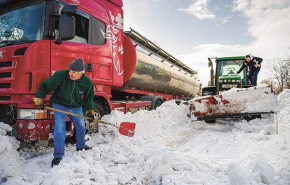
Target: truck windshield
<point>22,24</point>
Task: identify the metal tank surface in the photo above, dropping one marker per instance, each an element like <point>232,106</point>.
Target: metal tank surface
<point>154,72</point>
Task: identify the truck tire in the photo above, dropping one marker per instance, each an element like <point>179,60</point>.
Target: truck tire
<point>99,109</point>
<point>156,101</point>
<point>99,112</point>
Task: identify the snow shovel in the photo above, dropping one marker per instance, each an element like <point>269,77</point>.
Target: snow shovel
<point>125,128</point>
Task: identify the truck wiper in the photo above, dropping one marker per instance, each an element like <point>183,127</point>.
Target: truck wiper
<point>236,62</point>
<point>10,43</point>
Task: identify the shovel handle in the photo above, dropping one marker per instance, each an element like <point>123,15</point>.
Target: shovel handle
<point>73,114</point>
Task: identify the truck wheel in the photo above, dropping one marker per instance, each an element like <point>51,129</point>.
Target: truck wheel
<point>99,109</point>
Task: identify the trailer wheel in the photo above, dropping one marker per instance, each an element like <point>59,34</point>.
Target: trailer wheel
<point>156,101</point>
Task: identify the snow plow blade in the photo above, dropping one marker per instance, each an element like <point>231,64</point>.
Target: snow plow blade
<point>235,103</point>
<point>247,115</point>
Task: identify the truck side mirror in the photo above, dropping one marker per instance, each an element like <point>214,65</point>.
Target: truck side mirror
<point>67,23</point>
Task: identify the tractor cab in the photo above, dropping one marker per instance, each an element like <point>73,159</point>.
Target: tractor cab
<point>224,77</point>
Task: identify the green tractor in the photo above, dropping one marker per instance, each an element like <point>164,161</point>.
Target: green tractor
<point>225,76</point>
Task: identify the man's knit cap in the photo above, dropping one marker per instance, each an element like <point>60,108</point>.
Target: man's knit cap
<point>77,65</point>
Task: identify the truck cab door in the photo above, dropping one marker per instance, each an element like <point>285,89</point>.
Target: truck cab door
<point>62,54</point>
<point>102,51</point>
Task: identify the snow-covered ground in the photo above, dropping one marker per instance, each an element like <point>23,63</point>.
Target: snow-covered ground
<point>168,148</point>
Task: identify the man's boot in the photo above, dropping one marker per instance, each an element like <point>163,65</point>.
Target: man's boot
<point>86,148</point>
<point>55,161</point>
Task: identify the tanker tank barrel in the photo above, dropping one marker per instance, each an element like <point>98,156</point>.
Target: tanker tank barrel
<point>158,71</point>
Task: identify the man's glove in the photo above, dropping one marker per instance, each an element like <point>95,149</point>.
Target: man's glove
<point>90,114</point>
<point>38,103</point>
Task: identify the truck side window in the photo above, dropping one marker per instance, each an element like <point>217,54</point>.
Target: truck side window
<point>98,32</point>
<point>82,25</point>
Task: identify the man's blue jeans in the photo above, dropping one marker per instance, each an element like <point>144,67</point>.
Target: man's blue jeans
<point>59,133</point>
<point>253,75</point>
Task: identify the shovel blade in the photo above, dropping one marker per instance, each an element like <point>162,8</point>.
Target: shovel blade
<point>127,129</point>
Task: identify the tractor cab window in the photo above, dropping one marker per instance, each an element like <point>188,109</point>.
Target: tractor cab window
<point>82,25</point>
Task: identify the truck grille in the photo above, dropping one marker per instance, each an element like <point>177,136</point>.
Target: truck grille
<point>5,85</point>
<point>3,110</point>
<point>5,98</point>
<point>5,75</point>
<point>6,64</point>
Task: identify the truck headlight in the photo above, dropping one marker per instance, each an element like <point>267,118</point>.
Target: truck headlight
<point>32,114</point>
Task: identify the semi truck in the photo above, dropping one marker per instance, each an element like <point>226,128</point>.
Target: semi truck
<point>224,76</point>
<point>40,37</point>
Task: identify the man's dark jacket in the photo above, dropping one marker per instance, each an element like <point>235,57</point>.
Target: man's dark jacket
<point>251,64</point>
<point>68,93</point>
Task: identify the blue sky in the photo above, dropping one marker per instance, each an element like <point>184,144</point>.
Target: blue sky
<point>193,30</point>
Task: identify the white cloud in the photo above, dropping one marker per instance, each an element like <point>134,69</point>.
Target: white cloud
<point>199,9</point>
<point>226,19</point>
<point>240,5</point>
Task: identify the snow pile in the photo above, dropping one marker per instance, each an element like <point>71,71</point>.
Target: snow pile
<point>237,100</point>
<point>151,122</point>
<point>256,126</point>
<point>168,148</point>
<point>253,99</point>
<point>283,117</point>
<point>266,171</point>
<point>262,172</point>
<point>10,159</point>
<point>237,176</point>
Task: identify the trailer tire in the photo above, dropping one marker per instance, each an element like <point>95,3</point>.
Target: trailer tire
<point>156,101</point>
